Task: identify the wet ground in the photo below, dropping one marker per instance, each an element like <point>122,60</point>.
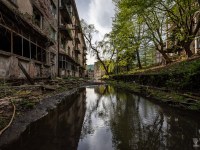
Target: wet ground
<point>106,118</point>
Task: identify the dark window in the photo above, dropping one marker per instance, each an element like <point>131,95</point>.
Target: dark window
<point>63,43</point>
<point>5,40</point>
<point>66,65</point>
<point>33,51</point>
<point>39,54</point>
<point>69,51</point>
<point>17,44</point>
<point>26,48</point>
<point>60,61</point>
<point>44,56</point>
<point>53,34</point>
<point>64,59</point>
<point>53,9</point>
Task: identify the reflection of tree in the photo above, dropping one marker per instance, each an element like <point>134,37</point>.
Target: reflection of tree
<point>93,109</point>
<point>126,115</point>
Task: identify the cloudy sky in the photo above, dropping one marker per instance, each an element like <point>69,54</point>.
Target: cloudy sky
<point>99,13</point>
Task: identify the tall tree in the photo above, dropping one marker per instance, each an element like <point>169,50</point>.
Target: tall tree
<point>151,18</point>
<point>102,50</point>
<point>184,19</point>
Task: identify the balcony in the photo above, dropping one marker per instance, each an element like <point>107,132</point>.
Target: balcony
<point>77,40</point>
<point>77,60</point>
<point>78,28</point>
<point>85,53</point>
<point>77,50</point>
<point>65,31</point>
<point>66,13</point>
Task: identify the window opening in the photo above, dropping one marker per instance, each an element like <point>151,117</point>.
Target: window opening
<point>26,48</point>
<point>5,40</point>
<point>17,44</point>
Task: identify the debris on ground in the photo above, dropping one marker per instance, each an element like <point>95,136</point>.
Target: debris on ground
<point>25,96</point>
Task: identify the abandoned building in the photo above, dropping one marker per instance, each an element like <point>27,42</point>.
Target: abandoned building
<point>41,38</point>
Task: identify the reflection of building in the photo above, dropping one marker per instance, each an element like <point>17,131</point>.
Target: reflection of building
<point>98,72</point>
<point>59,130</point>
<point>33,32</point>
<point>90,71</point>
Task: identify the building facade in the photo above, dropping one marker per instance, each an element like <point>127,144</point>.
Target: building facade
<point>90,71</point>
<point>42,37</point>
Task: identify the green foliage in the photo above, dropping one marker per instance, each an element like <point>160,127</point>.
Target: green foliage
<point>103,50</point>
<point>105,77</point>
<point>25,104</point>
<point>140,25</point>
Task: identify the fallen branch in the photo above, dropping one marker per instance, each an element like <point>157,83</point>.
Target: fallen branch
<point>13,115</point>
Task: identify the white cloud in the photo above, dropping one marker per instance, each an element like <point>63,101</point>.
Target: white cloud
<point>99,13</point>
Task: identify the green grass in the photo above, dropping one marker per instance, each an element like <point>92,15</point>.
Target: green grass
<point>187,66</point>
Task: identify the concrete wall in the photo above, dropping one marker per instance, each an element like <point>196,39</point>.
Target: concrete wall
<point>24,10</point>
<point>25,7</point>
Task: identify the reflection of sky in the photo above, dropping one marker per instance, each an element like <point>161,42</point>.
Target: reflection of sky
<point>101,139</point>
<point>137,117</point>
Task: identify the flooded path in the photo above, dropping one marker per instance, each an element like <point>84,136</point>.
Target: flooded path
<point>106,118</point>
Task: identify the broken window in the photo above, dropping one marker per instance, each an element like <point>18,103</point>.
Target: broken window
<point>53,34</point>
<point>33,51</point>
<point>60,61</point>
<point>37,18</point>
<point>17,44</point>
<point>63,43</point>
<point>26,48</point>
<point>39,54</point>
<point>66,65</point>
<point>44,59</point>
<point>53,9</point>
<point>52,58</point>
<point>5,40</point>
<point>69,51</point>
<point>63,62</point>
<point>69,9</point>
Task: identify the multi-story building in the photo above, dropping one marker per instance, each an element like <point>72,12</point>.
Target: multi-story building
<point>90,71</point>
<point>41,37</point>
<point>72,49</point>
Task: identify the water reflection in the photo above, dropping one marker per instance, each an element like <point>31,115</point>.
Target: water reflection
<point>60,130</point>
<point>116,119</point>
<point>106,118</point>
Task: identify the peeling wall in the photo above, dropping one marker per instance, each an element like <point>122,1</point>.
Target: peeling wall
<point>25,7</point>
<point>24,10</point>
<point>4,65</point>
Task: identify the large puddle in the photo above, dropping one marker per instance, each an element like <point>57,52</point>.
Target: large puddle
<point>106,118</point>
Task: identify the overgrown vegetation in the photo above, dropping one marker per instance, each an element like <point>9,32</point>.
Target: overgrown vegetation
<point>26,97</point>
<point>172,98</point>
<point>147,32</point>
<point>182,76</point>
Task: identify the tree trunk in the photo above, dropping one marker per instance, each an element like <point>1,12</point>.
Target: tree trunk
<point>187,49</point>
<point>104,66</point>
<point>138,59</point>
<point>166,57</point>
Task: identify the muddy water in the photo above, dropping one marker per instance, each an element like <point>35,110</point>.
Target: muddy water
<point>106,118</point>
